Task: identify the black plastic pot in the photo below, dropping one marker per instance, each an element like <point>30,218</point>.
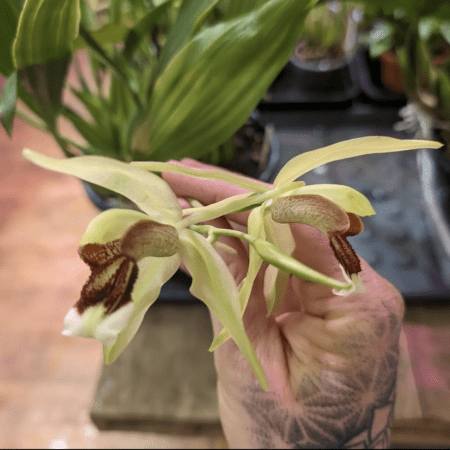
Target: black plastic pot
<point>295,85</point>
<point>176,290</point>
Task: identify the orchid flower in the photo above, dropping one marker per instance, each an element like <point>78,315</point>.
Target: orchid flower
<point>131,254</point>
<point>335,210</point>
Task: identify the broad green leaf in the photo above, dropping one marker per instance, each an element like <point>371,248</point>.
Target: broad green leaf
<point>8,103</point>
<point>213,283</point>
<point>9,18</point>
<point>211,86</point>
<point>44,84</point>
<point>181,30</point>
<point>47,30</point>
<point>255,228</point>
<point>150,192</point>
<point>346,197</point>
<point>218,175</point>
<point>305,162</point>
<point>153,272</point>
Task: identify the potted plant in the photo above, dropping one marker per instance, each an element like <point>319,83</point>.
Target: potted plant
<point>319,68</point>
<point>159,80</point>
<point>415,39</point>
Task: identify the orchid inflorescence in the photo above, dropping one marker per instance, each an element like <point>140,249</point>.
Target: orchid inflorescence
<point>131,254</point>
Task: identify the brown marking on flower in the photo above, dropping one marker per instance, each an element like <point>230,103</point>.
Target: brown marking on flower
<point>110,284</point>
<point>345,254</point>
<point>356,225</point>
<point>326,216</point>
<point>95,255</point>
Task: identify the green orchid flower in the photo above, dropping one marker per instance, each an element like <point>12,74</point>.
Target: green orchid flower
<point>335,210</point>
<point>131,254</point>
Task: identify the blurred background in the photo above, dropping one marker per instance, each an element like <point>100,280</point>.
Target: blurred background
<point>357,70</point>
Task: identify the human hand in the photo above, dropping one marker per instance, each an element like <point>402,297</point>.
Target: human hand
<point>330,361</point>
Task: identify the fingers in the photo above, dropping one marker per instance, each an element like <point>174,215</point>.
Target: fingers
<point>205,191</point>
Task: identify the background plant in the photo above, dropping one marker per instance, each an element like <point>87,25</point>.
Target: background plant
<point>168,78</point>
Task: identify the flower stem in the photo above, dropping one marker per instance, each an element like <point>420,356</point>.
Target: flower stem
<point>273,255</point>
<point>230,205</point>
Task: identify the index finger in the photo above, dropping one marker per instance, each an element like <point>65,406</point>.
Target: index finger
<point>206,191</point>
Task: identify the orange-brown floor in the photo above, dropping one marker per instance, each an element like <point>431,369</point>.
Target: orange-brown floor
<point>47,381</point>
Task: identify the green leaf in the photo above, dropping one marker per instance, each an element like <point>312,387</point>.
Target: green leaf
<point>150,192</point>
<point>213,284</point>
<point>44,85</point>
<point>211,86</point>
<point>46,31</point>
<point>144,27</point>
<point>307,161</point>
<point>8,103</point>
<point>94,134</point>
<point>108,34</point>
<point>181,30</point>
<point>153,272</point>
<point>346,197</point>
<point>9,18</point>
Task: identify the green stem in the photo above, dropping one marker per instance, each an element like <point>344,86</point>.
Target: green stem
<point>232,205</point>
<point>273,255</point>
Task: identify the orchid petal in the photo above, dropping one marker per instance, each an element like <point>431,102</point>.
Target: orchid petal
<point>275,279</point>
<point>307,161</point>
<point>255,228</point>
<point>153,273</point>
<point>213,283</point>
<point>216,175</point>
<point>116,330</point>
<point>150,192</point>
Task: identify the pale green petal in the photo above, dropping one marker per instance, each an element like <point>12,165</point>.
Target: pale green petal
<point>213,283</point>
<point>255,228</point>
<point>216,175</point>
<point>110,225</point>
<point>150,192</point>
<point>305,162</point>
<point>275,279</point>
<point>349,199</point>
<point>153,273</point>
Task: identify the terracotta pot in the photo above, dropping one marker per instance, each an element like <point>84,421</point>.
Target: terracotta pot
<point>391,72</point>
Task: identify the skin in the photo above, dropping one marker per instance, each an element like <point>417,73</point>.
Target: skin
<point>330,361</point>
